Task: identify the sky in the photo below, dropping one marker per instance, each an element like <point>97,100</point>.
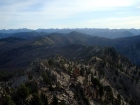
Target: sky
<point>34,14</point>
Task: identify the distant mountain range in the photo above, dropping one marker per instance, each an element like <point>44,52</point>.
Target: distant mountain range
<point>107,33</point>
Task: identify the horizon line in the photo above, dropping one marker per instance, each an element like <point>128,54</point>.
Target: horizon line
<point>64,28</point>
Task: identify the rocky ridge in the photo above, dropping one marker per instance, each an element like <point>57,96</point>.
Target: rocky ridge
<point>92,80</point>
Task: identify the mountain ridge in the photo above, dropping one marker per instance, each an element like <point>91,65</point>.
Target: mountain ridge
<point>62,41</point>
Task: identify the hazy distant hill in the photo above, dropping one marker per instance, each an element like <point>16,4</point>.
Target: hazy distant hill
<point>132,52</point>
<point>59,38</point>
<point>4,35</point>
<point>10,40</point>
<point>15,30</point>
<point>28,35</point>
<point>113,34</point>
<point>76,37</point>
<point>127,41</point>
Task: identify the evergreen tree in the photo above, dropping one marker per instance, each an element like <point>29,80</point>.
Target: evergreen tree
<point>44,99</point>
<point>22,92</point>
<point>51,88</point>
<point>119,99</point>
<point>36,100</point>
<point>101,91</point>
<point>45,78</point>
<point>55,100</point>
<point>82,72</point>
<point>7,100</point>
<point>50,62</point>
<point>62,103</point>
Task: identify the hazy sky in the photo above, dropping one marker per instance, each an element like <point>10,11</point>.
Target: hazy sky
<point>35,14</point>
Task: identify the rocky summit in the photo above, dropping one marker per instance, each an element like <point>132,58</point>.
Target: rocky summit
<point>104,78</point>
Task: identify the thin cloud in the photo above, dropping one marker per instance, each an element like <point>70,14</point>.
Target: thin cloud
<point>20,13</point>
<point>121,13</point>
<point>115,22</point>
